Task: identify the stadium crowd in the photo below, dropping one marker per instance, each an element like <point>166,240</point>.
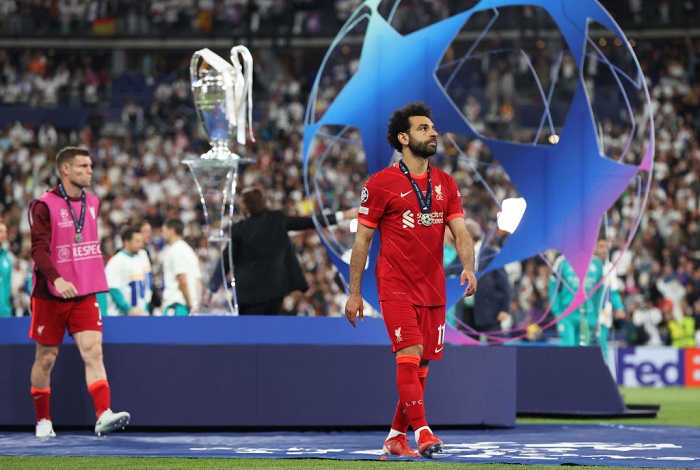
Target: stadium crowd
<point>282,19</point>
<point>165,18</point>
<point>141,126</point>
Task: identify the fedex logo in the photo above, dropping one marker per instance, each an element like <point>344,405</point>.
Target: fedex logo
<point>659,367</point>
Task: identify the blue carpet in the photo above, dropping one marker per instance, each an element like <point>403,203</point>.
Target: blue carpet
<point>584,444</point>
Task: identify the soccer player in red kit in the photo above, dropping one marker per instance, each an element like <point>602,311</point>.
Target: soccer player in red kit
<point>68,272</point>
<point>410,203</point>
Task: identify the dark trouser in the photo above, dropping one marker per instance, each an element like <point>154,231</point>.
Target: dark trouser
<point>489,327</point>
<point>271,307</point>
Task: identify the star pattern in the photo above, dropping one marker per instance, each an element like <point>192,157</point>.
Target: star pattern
<point>383,83</point>
<point>568,186</point>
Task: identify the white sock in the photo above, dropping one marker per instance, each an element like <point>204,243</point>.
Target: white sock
<point>393,433</point>
<point>421,429</point>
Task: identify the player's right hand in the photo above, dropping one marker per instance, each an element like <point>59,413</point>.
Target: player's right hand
<point>65,288</point>
<point>353,308</point>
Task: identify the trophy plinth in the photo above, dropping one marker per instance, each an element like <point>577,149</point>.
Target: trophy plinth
<point>220,151</point>
<point>220,90</point>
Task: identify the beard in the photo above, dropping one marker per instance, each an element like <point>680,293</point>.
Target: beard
<point>422,149</point>
<point>80,181</point>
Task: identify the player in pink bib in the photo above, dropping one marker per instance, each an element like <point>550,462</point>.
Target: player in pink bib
<point>68,271</point>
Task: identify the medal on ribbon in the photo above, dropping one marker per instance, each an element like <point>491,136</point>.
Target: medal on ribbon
<point>425,203</point>
<point>78,222</point>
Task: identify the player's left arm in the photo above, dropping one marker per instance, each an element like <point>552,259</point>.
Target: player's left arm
<point>463,241</point>
<point>465,252</point>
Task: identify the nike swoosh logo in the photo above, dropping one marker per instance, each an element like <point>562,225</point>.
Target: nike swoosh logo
<point>406,193</point>
<point>437,350</point>
<point>99,323</point>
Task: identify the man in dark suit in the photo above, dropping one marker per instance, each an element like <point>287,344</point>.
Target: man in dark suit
<point>266,268</point>
<point>492,300</point>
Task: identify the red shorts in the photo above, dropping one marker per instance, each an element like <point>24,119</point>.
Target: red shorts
<point>409,325</point>
<point>51,317</point>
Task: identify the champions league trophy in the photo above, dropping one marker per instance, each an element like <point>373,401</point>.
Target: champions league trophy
<point>223,99</point>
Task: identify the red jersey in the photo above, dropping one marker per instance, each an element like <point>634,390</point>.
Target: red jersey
<point>409,266</point>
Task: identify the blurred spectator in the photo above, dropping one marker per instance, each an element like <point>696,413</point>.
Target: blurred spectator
<point>580,326</point>
<point>5,275</point>
<point>646,320</point>
<point>132,118</point>
<point>46,136</point>
<point>127,276</point>
<point>182,276</point>
<point>681,332</point>
<point>148,255</point>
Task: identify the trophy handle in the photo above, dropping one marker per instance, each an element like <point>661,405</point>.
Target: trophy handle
<point>245,91</point>
<point>227,72</point>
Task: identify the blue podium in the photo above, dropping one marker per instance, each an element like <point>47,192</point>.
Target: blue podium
<point>242,372</point>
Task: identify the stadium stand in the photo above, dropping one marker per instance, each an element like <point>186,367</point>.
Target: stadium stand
<point>132,106</point>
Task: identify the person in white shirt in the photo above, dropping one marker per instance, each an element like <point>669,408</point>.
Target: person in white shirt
<point>152,291</point>
<point>182,275</point>
<point>127,277</point>
<point>647,320</point>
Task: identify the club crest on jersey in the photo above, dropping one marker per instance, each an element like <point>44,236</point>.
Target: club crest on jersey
<point>397,333</point>
<point>438,193</point>
<point>364,195</point>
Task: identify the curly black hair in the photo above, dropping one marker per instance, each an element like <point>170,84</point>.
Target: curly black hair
<point>399,121</point>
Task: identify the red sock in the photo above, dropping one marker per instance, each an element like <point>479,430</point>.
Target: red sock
<point>401,421</point>
<point>410,390</point>
<point>99,390</point>
<point>42,400</point>
<point>422,374</point>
